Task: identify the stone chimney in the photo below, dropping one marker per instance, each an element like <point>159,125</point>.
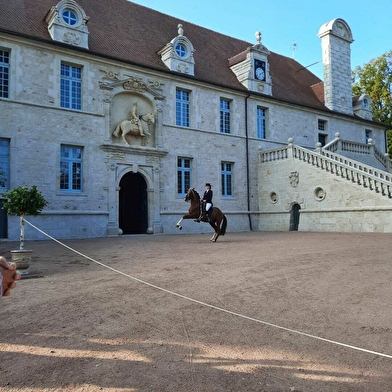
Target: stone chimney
<point>336,38</point>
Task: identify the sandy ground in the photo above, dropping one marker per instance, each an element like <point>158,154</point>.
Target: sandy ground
<point>83,327</point>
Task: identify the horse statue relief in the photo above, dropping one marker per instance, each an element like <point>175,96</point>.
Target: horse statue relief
<point>134,127</point>
<point>218,219</point>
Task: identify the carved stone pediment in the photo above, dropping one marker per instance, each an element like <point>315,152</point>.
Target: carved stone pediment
<point>132,83</point>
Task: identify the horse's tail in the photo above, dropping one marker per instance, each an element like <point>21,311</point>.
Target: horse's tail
<point>117,130</point>
<point>224,226</point>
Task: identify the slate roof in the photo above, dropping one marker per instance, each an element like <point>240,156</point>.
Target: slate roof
<point>134,34</point>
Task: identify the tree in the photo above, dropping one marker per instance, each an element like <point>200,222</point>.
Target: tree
<point>23,201</point>
<point>375,79</point>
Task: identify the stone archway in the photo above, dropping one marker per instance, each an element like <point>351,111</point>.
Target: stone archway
<point>133,204</point>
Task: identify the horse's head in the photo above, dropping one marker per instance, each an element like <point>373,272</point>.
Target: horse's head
<point>148,117</point>
<point>151,117</point>
<point>192,195</point>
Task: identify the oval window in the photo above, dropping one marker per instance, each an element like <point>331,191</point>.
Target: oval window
<point>69,17</point>
<point>181,50</point>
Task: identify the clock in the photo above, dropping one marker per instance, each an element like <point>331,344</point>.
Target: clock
<point>365,103</point>
<point>260,70</point>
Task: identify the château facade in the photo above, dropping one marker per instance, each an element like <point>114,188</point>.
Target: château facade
<point>114,115</point>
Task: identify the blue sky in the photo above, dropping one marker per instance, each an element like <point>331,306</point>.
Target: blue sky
<point>283,21</point>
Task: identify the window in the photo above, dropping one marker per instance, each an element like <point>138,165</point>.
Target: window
<point>261,117</point>
<point>183,175</point>
<point>181,50</point>
<point>4,164</point>
<point>322,125</point>
<point>368,135</point>
<point>224,116</point>
<point>71,168</point>
<point>4,73</point>
<point>182,108</point>
<point>227,179</point>
<point>71,87</point>
<point>69,17</point>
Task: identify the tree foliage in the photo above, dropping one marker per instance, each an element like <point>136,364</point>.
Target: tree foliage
<point>375,79</point>
<point>24,201</point>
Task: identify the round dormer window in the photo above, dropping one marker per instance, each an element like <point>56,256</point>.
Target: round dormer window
<point>181,50</point>
<point>69,17</point>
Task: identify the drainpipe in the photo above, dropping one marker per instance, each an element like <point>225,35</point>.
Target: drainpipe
<point>247,161</point>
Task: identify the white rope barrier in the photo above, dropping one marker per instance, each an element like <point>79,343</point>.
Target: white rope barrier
<point>209,305</point>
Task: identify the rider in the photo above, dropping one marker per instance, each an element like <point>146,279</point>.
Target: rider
<point>135,118</point>
<point>206,204</point>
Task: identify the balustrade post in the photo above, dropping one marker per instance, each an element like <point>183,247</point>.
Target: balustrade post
<point>387,163</point>
<point>318,147</point>
<point>339,142</point>
<point>290,148</point>
<point>371,146</point>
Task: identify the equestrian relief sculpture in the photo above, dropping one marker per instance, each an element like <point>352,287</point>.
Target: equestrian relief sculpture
<point>134,126</point>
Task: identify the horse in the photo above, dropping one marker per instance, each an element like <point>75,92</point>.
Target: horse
<point>218,219</point>
<point>132,128</point>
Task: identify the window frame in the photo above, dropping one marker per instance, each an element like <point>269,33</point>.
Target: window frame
<point>322,125</point>
<point>183,183</point>
<point>69,98</point>
<point>5,163</point>
<point>183,107</point>
<point>5,74</point>
<point>225,115</point>
<point>227,179</point>
<point>69,17</point>
<point>261,122</point>
<point>71,160</point>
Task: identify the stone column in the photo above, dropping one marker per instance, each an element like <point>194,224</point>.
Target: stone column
<point>112,227</point>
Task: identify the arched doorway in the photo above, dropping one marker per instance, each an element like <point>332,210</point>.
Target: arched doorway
<point>133,217</point>
<point>294,217</point>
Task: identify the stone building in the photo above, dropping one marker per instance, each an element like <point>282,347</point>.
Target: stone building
<point>114,115</point>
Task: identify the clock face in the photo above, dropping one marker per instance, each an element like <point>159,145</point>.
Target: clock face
<point>259,70</point>
<point>365,103</point>
<point>260,74</point>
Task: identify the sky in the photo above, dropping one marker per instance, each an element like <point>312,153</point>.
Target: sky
<point>284,22</point>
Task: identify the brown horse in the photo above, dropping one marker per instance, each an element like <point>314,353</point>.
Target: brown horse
<point>218,219</point>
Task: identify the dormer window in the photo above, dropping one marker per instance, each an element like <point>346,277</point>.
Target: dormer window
<point>178,54</point>
<point>69,17</point>
<point>67,23</point>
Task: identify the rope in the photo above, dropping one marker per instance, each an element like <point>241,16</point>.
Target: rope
<point>209,305</point>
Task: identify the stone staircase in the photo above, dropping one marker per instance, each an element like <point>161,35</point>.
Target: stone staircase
<point>326,159</point>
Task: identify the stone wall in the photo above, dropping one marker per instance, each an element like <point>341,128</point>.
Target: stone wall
<point>327,201</point>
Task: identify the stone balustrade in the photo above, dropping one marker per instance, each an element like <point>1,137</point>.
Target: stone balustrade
<point>366,176</point>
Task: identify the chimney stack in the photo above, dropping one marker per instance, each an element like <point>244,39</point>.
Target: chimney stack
<point>336,38</point>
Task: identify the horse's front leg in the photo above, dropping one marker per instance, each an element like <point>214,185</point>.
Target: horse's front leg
<point>179,224</point>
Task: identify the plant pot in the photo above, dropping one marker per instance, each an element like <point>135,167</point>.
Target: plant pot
<point>22,260</point>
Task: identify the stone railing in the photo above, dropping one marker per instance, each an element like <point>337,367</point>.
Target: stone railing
<point>339,144</point>
<point>366,176</point>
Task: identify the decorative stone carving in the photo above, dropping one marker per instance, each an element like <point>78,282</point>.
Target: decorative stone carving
<point>294,178</point>
<point>134,126</point>
<point>135,84</point>
<point>110,74</point>
<point>71,38</point>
